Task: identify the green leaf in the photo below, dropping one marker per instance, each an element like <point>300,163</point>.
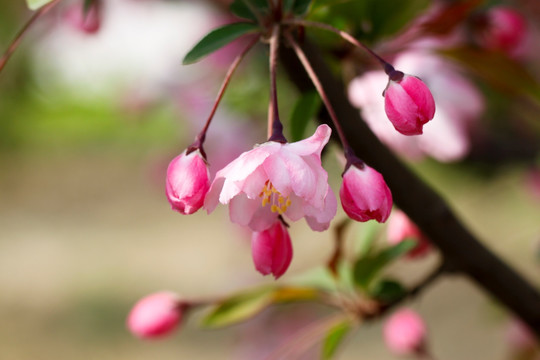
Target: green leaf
<point>305,109</point>
<point>242,10</point>
<point>368,235</point>
<point>239,308</point>
<point>334,338</point>
<point>216,39</point>
<point>36,4</point>
<point>366,268</point>
<point>387,290</point>
<point>301,6</point>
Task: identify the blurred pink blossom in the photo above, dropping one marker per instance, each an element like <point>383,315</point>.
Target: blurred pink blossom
<point>155,315</point>
<point>364,194</point>
<point>287,177</point>
<point>519,336</point>
<point>88,21</point>
<point>272,250</point>
<point>458,102</point>
<point>405,332</point>
<point>400,227</point>
<point>505,30</point>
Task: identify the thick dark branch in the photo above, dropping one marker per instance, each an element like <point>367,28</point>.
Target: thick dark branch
<point>425,207</point>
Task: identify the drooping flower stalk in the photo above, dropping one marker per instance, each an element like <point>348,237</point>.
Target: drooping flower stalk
<point>199,140</point>
<point>388,68</point>
<point>276,126</point>
<point>18,38</point>
<point>316,82</point>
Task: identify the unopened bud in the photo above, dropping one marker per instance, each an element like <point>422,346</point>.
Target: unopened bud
<point>408,104</point>
<point>188,181</point>
<point>155,315</point>
<point>364,194</point>
<point>272,250</point>
<point>405,332</point>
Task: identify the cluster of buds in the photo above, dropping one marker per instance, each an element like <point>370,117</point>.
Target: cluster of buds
<point>278,182</point>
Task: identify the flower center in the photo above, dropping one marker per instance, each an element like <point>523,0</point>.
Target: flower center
<point>270,195</point>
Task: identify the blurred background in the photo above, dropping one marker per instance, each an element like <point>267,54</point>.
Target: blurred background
<point>89,121</point>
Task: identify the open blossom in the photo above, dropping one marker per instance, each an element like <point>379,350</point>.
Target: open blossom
<point>155,315</point>
<point>408,104</point>
<point>405,332</point>
<point>400,227</point>
<point>272,250</point>
<point>277,179</point>
<point>187,182</point>
<point>364,194</point>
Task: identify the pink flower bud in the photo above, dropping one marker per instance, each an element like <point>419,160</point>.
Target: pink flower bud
<point>404,332</point>
<point>408,104</point>
<point>272,250</point>
<point>88,21</point>
<point>505,30</point>
<point>519,336</point>
<point>364,194</point>
<point>155,315</point>
<point>400,227</point>
<point>187,182</point>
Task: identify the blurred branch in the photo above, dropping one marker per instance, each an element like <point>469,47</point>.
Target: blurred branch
<point>18,38</point>
<point>461,250</point>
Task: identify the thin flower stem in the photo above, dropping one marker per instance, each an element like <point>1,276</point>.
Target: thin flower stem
<point>273,115</point>
<point>18,38</point>
<point>387,66</point>
<point>313,76</point>
<point>202,135</point>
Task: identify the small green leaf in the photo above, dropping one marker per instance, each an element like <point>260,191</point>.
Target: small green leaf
<point>305,109</point>
<point>288,294</point>
<point>333,339</point>
<point>216,39</point>
<point>239,308</point>
<point>36,4</point>
<point>242,10</point>
<point>387,290</point>
<point>366,268</point>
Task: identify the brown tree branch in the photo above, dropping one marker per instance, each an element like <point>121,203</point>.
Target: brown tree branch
<point>462,251</point>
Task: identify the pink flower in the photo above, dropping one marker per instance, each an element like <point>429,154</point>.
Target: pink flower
<point>155,315</point>
<point>408,103</point>
<point>505,30</point>
<point>277,179</point>
<point>405,332</point>
<point>272,250</point>
<point>400,227</point>
<point>88,21</point>
<point>187,182</point>
<point>364,194</point>
<point>519,335</point>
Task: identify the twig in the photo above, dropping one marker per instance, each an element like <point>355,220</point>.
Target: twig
<point>18,38</point>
